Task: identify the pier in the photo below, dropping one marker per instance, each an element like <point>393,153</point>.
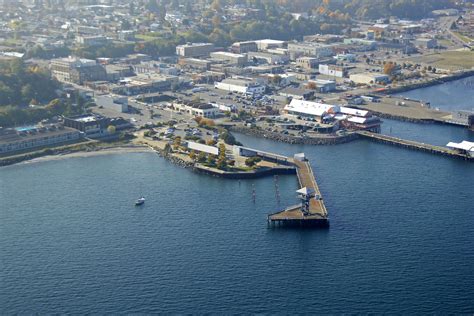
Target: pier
<point>312,211</point>
<point>414,145</point>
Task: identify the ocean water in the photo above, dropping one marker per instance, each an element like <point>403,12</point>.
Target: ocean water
<point>450,96</point>
<point>401,236</point>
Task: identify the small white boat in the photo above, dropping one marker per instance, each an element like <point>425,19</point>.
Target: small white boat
<point>140,201</point>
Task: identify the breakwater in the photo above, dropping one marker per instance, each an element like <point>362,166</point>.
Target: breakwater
<point>326,140</point>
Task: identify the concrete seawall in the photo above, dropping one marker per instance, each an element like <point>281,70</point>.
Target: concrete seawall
<point>330,140</point>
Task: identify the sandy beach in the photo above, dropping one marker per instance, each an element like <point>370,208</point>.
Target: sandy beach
<point>99,152</point>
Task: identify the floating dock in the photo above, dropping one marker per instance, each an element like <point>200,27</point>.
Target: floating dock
<point>414,145</point>
<point>314,214</point>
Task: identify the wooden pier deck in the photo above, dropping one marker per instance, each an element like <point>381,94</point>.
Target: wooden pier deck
<point>414,145</point>
<point>293,216</point>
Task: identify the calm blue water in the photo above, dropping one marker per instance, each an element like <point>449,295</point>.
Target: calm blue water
<point>450,96</point>
<point>401,237</point>
<point>435,134</point>
<point>400,241</point>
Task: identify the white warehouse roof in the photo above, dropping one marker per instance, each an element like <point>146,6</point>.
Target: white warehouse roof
<point>464,145</point>
<point>311,108</point>
<point>351,111</point>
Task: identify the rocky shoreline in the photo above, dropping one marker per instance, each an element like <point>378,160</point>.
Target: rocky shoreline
<point>293,139</point>
<point>430,83</point>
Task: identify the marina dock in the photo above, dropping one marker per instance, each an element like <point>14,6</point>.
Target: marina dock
<point>314,214</point>
<point>414,145</point>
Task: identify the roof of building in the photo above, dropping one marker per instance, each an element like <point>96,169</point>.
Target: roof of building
<point>351,111</point>
<point>464,145</point>
<point>311,108</point>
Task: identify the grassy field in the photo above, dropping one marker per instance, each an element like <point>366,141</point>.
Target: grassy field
<point>462,37</point>
<point>452,60</point>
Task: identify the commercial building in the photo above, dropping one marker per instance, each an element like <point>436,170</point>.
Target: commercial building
<point>195,63</point>
<point>93,126</point>
<point>29,138</point>
<point>76,70</point>
<point>111,102</point>
<point>309,109</point>
<point>195,50</point>
<point>92,40</point>
<point>268,58</point>
<point>426,43</point>
<point>310,49</point>
<point>196,108</point>
<point>244,86</point>
<point>144,83</point>
<point>266,44</point>
<point>369,78</point>
<point>333,70</point>
<point>230,58</point>
<point>244,47</point>
<point>307,62</point>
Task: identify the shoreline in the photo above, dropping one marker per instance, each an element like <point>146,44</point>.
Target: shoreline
<point>92,153</point>
<point>434,82</point>
<point>51,154</point>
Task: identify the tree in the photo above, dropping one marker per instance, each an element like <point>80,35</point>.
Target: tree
<point>192,155</point>
<point>222,151</point>
<point>111,129</point>
<point>211,161</point>
<point>389,68</point>
<point>252,161</point>
<point>201,157</point>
